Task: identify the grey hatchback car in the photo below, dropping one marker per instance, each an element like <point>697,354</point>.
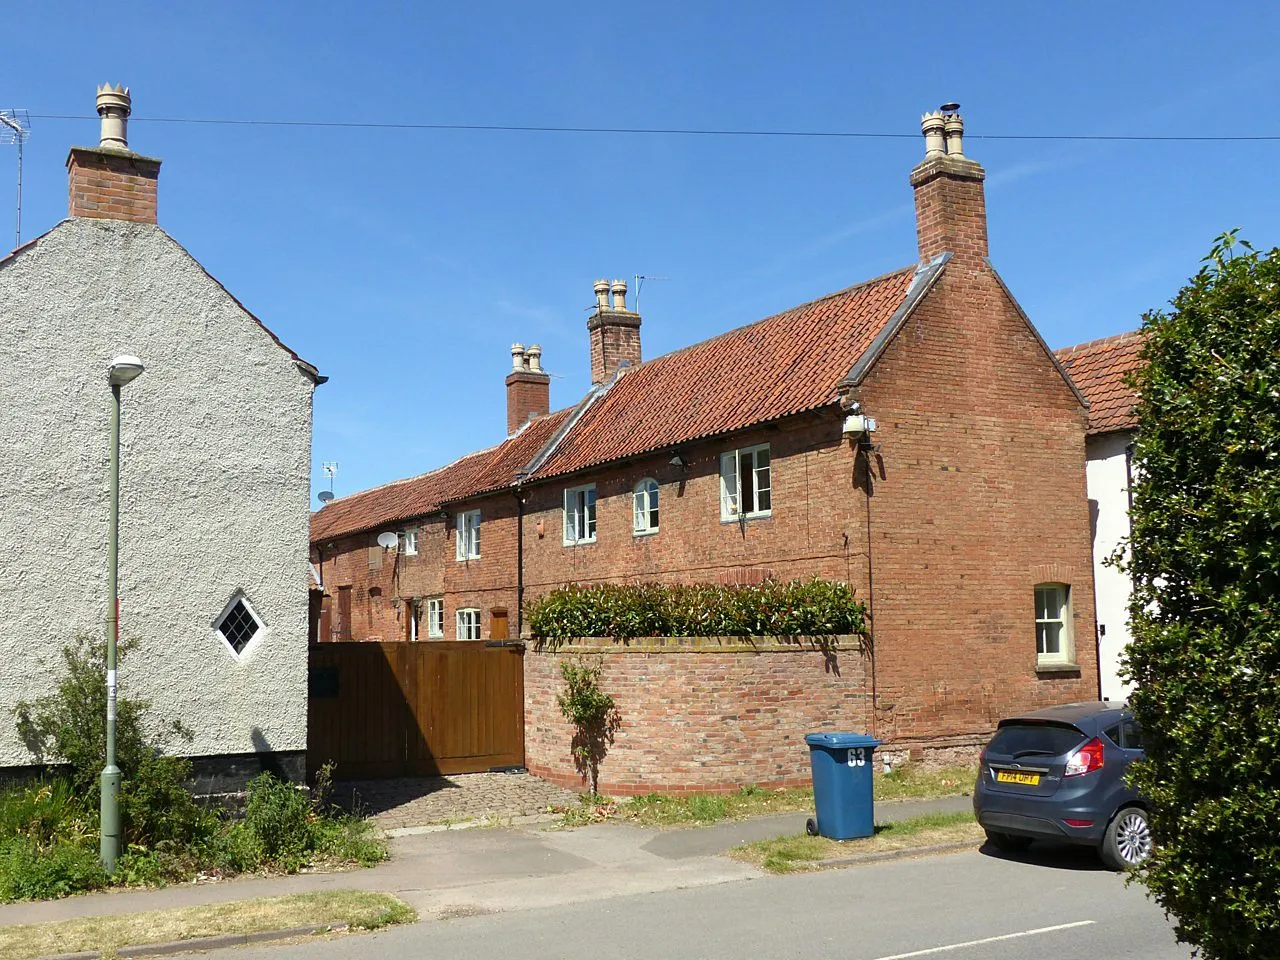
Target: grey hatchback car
<point>1058,774</point>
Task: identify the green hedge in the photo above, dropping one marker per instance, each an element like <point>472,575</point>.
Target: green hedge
<point>799,608</point>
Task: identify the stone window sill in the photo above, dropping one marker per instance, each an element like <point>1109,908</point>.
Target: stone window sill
<point>1057,668</point>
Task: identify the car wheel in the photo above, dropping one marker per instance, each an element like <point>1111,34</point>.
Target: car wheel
<point>1008,842</point>
<point>1128,839</point>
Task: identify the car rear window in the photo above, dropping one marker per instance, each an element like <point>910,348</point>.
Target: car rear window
<point>1043,739</point>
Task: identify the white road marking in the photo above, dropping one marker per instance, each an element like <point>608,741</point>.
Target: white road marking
<point>974,943</point>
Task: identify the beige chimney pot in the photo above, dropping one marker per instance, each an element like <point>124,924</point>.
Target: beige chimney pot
<point>534,353</point>
<point>954,124</point>
<point>517,356</point>
<point>619,291</point>
<point>114,107</point>
<point>932,125</point>
<point>602,294</point>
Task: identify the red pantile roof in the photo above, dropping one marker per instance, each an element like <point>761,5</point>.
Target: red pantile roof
<point>783,365</point>
<point>1099,368</point>
<point>418,496</point>
<point>786,364</point>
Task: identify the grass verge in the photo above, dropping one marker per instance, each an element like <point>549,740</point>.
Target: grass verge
<point>800,853</point>
<point>357,910</point>
<point>906,782</point>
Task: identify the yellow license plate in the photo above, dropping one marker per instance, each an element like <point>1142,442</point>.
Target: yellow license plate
<point>1009,776</point>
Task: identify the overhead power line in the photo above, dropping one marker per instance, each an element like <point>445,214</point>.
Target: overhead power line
<point>670,131</point>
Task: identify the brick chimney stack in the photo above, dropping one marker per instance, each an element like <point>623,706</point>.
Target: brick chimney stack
<point>614,332</point>
<point>528,387</point>
<point>951,210</point>
<point>110,181</point>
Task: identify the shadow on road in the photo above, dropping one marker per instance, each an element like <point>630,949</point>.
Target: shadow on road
<point>1056,856</point>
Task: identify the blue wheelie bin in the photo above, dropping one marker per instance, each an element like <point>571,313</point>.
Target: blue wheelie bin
<point>842,795</point>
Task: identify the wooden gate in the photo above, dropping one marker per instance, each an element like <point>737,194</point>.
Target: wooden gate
<point>382,710</point>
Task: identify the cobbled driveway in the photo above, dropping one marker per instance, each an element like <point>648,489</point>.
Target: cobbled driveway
<point>393,804</point>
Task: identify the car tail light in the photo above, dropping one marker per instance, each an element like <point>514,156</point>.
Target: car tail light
<point>1086,758</point>
<point>1078,823</point>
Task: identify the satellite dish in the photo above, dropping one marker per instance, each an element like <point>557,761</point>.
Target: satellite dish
<point>387,540</point>
<point>324,496</point>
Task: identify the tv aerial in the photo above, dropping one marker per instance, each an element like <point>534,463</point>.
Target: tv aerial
<point>15,128</point>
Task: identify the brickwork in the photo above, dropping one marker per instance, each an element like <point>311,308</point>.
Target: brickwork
<point>951,209</point>
<point>815,527</point>
<point>978,494</point>
<point>615,336</point>
<point>528,396</point>
<point>699,716</point>
<point>110,185</point>
<point>381,579</point>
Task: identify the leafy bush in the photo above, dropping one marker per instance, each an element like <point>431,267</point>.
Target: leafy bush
<point>278,817</point>
<point>283,829</point>
<point>808,608</point>
<point>593,714</point>
<point>30,872</point>
<point>46,813</point>
<point>1205,563</point>
<point>68,726</point>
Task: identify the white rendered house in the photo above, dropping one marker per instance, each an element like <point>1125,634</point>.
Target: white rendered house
<point>215,472</point>
<point>1099,369</point>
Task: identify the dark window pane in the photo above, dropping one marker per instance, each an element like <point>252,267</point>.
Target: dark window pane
<point>747,484</point>
<point>1047,740</point>
<point>1132,733</point>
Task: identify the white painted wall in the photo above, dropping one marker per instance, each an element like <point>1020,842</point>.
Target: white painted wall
<point>216,441</point>
<point>1109,503</point>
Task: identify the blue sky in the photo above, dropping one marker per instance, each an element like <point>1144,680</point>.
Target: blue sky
<point>404,263</point>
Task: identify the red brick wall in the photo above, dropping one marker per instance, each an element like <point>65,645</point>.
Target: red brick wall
<point>111,186</point>
<point>814,529</point>
<point>951,209</point>
<point>528,393</point>
<point>359,563</point>
<point>978,494</point>
<point>715,715</point>
<point>614,337</point>
<point>489,581</point>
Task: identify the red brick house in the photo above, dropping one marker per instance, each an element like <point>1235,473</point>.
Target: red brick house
<point>960,516</point>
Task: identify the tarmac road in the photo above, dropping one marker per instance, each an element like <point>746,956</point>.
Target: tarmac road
<point>1054,904</point>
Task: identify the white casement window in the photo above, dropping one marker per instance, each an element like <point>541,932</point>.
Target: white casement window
<point>646,507</point>
<point>580,515</point>
<point>1053,623</point>
<point>435,616</point>
<point>409,542</point>
<point>468,623</point>
<point>744,483</point>
<point>469,535</point>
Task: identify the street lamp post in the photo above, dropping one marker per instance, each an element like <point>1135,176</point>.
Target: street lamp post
<point>123,369</point>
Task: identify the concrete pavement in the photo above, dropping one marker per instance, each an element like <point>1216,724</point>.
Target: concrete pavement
<point>460,872</point>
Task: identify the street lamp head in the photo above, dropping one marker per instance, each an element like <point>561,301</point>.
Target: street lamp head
<point>123,369</point>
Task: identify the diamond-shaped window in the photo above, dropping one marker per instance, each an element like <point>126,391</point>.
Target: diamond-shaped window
<point>239,625</point>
